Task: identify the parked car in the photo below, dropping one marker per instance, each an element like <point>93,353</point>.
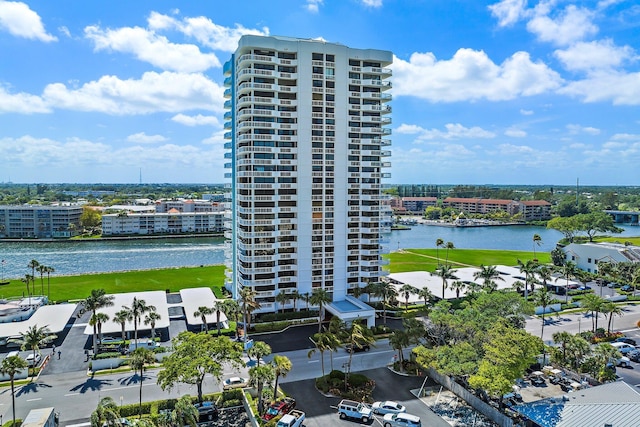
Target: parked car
<point>613,285</point>
<point>387,407</point>
<point>626,340</point>
<point>634,355</point>
<point>33,360</point>
<point>280,407</point>
<point>357,349</point>
<point>110,340</point>
<point>623,347</point>
<point>401,420</point>
<point>235,382</point>
<point>626,288</point>
<point>13,353</point>
<point>207,411</point>
<point>584,288</point>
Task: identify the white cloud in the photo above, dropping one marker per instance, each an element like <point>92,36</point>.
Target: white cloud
<point>64,30</point>
<point>18,19</point>
<point>216,138</point>
<point>599,54</point>
<point>152,48</point>
<point>471,75</point>
<point>571,25</point>
<point>453,131</point>
<point>578,129</point>
<point>372,3</point>
<point>204,30</point>
<point>143,138</point>
<point>618,87</point>
<point>515,133</point>
<point>314,5</point>
<point>154,92</point>
<point>625,137</point>
<point>508,12</point>
<point>526,112</point>
<point>28,151</point>
<point>22,103</point>
<point>197,120</point>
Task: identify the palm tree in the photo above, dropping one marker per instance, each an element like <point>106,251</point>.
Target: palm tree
<point>140,358</point>
<point>399,340</point>
<point>322,345</point>
<point>543,298</point>
<point>439,244</point>
<point>333,337</point>
<point>610,309</point>
<point>282,298</point>
<point>448,245</point>
<point>10,367</point>
<point>563,338</point>
<point>537,241</point>
<point>49,271</point>
<point>258,350</point>
<point>183,414</point>
<point>122,317</point>
<point>426,295</point>
<point>231,309</point>
<point>98,320</point>
<point>281,365</point>
<point>33,264</point>
<point>249,304</point>
<point>258,376</point>
<point>150,319</point>
<point>568,270</point>
<point>202,312</point>
<point>445,272</point>
<point>458,286</point>
<point>295,296</point>
<point>41,269</point>
<point>320,297</point>
<point>138,308</point>
<point>529,269</point>
<point>107,414</point>
<point>593,303</point>
<point>218,307</point>
<point>34,338</point>
<point>27,279</point>
<point>489,275</point>
<point>407,290</point>
<point>386,291</point>
<point>359,336</point>
<point>95,301</point>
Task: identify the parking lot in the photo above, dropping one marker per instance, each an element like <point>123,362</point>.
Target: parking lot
<point>320,410</point>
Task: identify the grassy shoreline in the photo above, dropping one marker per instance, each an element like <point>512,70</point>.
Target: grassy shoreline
<point>75,287</point>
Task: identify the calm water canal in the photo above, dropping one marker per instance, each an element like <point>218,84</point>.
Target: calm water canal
<point>104,256</point>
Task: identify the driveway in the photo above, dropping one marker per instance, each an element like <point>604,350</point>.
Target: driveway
<point>389,386</point>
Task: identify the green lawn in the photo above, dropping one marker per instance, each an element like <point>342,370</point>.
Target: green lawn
<point>65,288</point>
<point>427,259</point>
<point>618,239</point>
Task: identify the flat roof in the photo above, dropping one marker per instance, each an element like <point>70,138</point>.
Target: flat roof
<point>155,298</point>
<point>55,317</point>
<point>192,299</point>
<point>424,279</point>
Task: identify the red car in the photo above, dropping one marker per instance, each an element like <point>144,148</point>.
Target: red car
<point>280,407</point>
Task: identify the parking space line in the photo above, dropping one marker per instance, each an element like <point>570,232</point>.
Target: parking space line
<point>71,394</point>
<point>33,400</point>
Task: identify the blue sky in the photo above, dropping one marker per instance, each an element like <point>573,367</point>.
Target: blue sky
<point>508,92</point>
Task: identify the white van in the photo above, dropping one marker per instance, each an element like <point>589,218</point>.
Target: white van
<point>149,344</point>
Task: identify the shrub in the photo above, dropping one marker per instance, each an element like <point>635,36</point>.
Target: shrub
<point>235,394</point>
<point>231,403</point>
<point>132,410</point>
<point>109,355</point>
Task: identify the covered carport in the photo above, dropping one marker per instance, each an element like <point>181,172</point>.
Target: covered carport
<point>54,317</point>
<point>193,299</point>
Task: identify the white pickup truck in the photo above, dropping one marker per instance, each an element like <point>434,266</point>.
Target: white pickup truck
<point>292,419</point>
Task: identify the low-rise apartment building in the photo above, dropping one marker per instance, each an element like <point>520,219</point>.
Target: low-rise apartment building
<point>530,210</point>
<point>586,256</point>
<point>39,221</point>
<point>172,222</point>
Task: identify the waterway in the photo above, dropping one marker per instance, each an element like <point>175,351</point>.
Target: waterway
<point>73,257</point>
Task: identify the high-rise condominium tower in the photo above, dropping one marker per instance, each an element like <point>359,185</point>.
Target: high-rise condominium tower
<point>307,139</point>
